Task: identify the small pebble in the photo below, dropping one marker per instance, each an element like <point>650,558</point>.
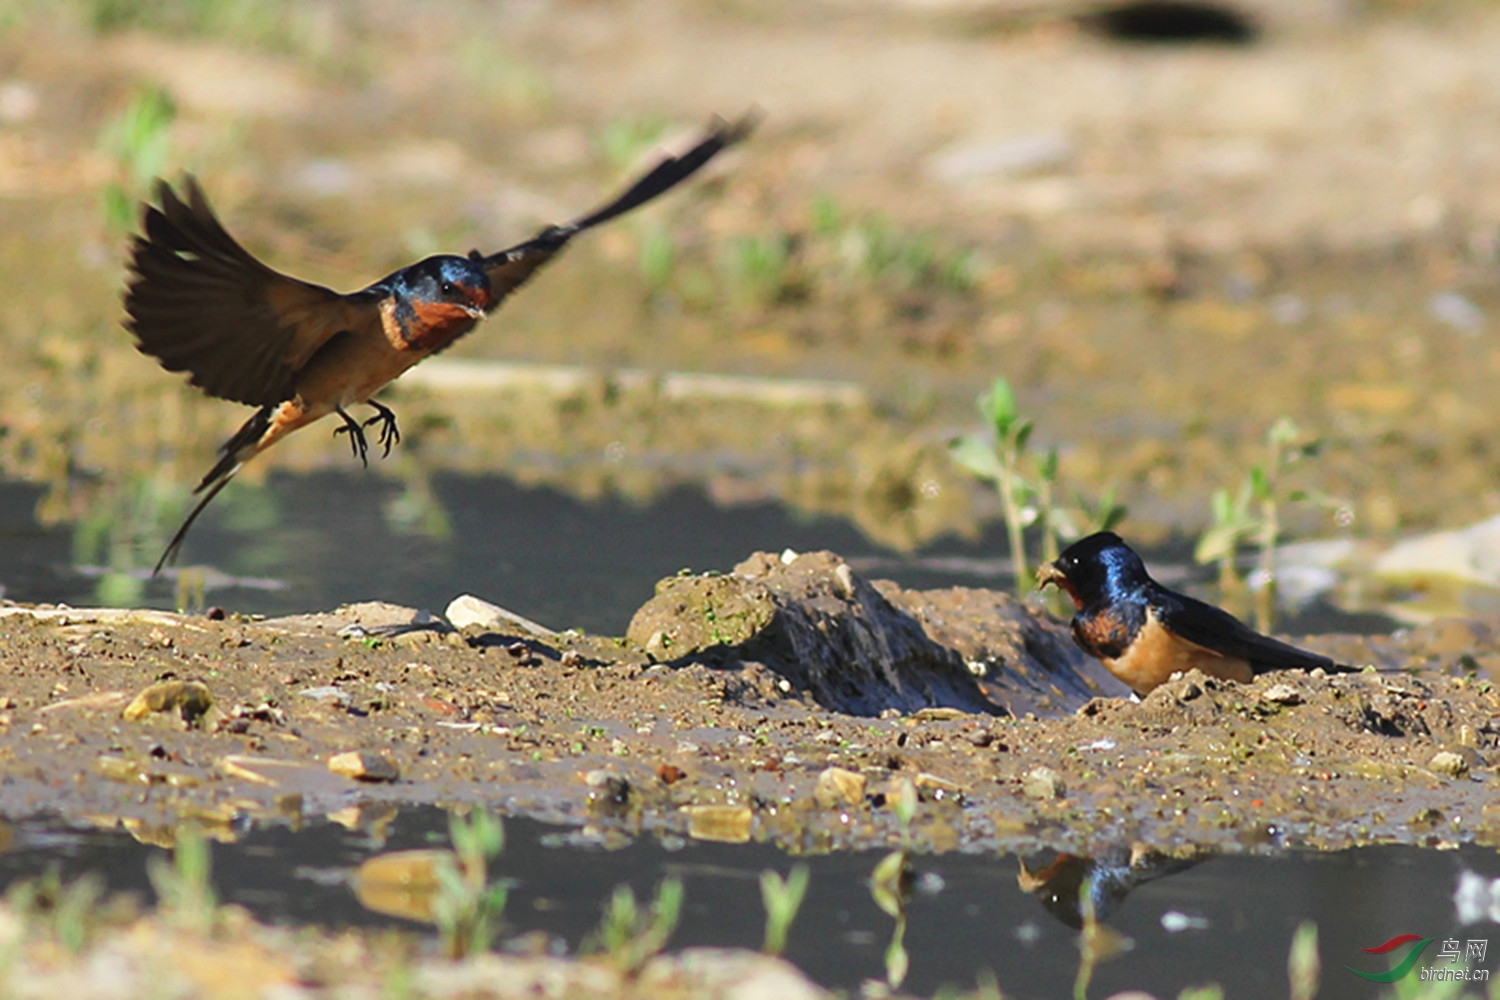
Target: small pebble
<point>724,824</point>
<point>1449,763</point>
<point>1043,783</point>
<point>1282,694</point>
<point>364,765</point>
<point>837,786</point>
<point>189,699</point>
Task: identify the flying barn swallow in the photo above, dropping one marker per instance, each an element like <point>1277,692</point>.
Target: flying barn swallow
<point>199,302</point>
<point>1144,633</point>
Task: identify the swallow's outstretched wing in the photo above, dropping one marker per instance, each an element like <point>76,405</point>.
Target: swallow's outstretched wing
<point>201,303</point>
<point>509,269</point>
<point>1217,630</point>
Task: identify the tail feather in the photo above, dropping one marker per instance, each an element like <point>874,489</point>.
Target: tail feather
<point>234,453</point>
<point>509,269</point>
<point>672,170</point>
<point>170,554</point>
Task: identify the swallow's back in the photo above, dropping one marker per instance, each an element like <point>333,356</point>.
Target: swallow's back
<point>1220,631</point>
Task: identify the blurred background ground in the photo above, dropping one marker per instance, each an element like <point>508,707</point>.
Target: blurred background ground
<point>1168,225</point>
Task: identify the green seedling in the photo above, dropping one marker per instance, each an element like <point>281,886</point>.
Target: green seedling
<point>658,259</point>
<point>138,140</point>
<point>1251,516</point>
<point>467,907</point>
<point>988,986</point>
<point>890,887</point>
<point>630,936</point>
<point>65,909</point>
<point>1097,942</point>
<point>873,251</point>
<point>1212,991</point>
<point>891,884</point>
<point>271,24</point>
<point>184,885</point>
<point>1027,483</point>
<point>1303,966</point>
<point>758,269</point>
<point>782,899</point>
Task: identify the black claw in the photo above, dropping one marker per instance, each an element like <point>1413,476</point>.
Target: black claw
<point>357,442</point>
<point>390,434</point>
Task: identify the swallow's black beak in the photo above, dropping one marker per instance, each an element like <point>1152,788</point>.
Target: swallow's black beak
<point>1049,573</point>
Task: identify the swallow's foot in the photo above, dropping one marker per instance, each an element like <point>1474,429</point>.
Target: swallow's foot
<point>357,442</point>
<point>390,434</point>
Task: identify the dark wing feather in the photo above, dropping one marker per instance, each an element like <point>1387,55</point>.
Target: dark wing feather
<point>1213,628</point>
<point>509,269</point>
<point>200,303</point>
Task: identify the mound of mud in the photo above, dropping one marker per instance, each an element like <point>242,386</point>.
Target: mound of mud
<point>865,648</point>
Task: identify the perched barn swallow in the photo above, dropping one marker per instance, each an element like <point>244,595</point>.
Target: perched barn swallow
<point>1144,633</point>
<point>199,302</point>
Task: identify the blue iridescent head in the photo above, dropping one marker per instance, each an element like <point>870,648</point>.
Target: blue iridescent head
<point>1095,566</point>
<point>445,279</point>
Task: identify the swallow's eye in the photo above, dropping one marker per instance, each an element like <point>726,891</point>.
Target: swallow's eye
<point>449,290</point>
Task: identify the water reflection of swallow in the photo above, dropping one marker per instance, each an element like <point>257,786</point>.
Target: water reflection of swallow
<point>199,302</point>
<point>1144,633</point>
<point>1110,875</point>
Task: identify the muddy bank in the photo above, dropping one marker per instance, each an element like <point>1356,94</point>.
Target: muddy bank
<point>728,732</point>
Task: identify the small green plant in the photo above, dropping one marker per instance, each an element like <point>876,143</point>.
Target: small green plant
<point>270,24</point>
<point>871,250</point>
<point>890,887</point>
<point>467,907</point>
<point>1026,482</point>
<point>138,140</point>
<point>630,936</point>
<point>184,885</point>
<point>891,884</point>
<point>1211,991</point>
<point>1097,942</point>
<point>1303,966</point>
<point>65,909</point>
<point>658,259</point>
<point>987,986</point>
<point>782,899</point>
<point>1252,516</point>
<point>758,269</point>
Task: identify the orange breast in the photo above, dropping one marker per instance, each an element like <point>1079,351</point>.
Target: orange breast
<point>1157,654</point>
<point>437,324</point>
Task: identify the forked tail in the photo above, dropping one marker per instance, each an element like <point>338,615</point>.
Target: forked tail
<point>232,455</point>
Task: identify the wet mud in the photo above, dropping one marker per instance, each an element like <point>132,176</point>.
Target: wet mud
<point>786,702</point>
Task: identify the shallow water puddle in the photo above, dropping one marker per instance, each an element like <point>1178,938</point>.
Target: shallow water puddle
<point>1228,919</point>
<point>309,542</point>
